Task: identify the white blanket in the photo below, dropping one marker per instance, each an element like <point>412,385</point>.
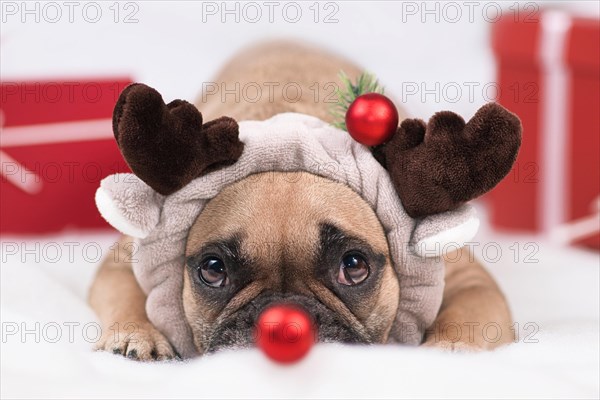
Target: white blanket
<point>555,291</point>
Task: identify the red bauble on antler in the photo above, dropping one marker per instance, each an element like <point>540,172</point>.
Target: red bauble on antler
<point>436,166</point>
<point>372,119</point>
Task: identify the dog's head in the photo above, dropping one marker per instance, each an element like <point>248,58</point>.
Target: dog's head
<point>288,237</point>
<point>279,228</point>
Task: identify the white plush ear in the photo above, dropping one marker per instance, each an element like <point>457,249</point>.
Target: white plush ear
<point>129,205</point>
<point>438,234</point>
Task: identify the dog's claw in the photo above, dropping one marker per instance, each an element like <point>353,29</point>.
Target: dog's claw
<point>132,354</point>
<point>154,354</point>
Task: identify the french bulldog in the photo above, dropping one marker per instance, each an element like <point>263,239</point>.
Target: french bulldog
<point>290,237</point>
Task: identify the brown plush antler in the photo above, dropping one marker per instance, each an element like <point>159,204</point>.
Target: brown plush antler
<point>441,165</point>
<point>166,145</point>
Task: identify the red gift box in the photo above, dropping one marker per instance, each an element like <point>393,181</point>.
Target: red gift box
<point>549,75</point>
<point>56,144</point>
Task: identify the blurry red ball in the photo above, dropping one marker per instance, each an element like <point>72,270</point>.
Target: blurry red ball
<point>284,333</point>
<point>371,119</point>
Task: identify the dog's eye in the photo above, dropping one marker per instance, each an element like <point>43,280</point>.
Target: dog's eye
<point>353,270</point>
<point>212,272</point>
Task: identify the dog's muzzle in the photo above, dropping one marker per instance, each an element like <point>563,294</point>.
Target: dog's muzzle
<point>238,330</point>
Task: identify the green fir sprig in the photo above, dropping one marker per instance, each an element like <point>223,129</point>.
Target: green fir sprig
<point>348,92</point>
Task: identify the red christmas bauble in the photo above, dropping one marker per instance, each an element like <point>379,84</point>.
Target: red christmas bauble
<point>371,119</point>
<point>284,333</point>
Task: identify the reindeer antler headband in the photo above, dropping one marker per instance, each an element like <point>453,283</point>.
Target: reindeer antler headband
<point>417,183</point>
<point>435,167</point>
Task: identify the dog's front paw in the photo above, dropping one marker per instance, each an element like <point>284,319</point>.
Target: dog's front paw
<point>142,342</point>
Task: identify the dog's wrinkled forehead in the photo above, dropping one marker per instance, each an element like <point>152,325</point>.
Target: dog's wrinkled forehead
<point>273,208</point>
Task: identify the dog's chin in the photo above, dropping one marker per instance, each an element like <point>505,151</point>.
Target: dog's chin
<point>239,330</point>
